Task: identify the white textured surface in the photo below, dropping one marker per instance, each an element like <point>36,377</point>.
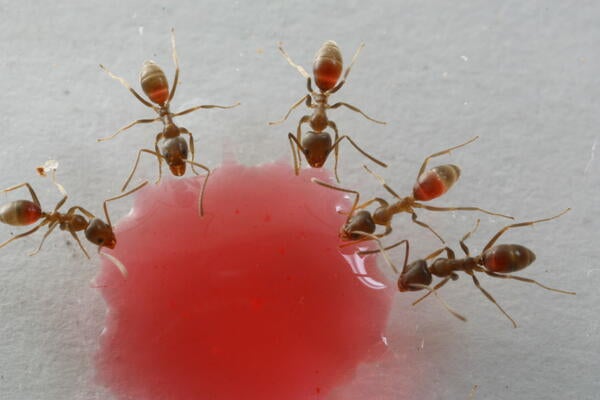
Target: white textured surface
<point>522,75</point>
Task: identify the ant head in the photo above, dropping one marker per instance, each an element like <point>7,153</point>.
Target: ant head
<point>415,273</point>
<point>360,222</point>
<point>154,83</point>
<point>328,65</point>
<point>316,148</point>
<point>175,152</point>
<point>101,234</point>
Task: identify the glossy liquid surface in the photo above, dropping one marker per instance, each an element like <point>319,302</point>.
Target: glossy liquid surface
<point>255,300</point>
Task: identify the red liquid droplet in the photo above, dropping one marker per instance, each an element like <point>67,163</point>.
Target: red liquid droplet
<point>252,301</point>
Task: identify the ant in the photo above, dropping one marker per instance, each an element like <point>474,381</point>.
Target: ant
<point>496,261</point>
<point>317,145</point>
<point>169,144</point>
<point>76,219</point>
<point>429,185</point>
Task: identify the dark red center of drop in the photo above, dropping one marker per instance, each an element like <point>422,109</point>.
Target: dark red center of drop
<point>253,301</point>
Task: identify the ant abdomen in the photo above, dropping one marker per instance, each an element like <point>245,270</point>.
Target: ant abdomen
<point>154,82</point>
<point>20,212</point>
<point>507,258</point>
<point>317,146</point>
<point>328,65</point>
<point>435,182</point>
<point>415,277</point>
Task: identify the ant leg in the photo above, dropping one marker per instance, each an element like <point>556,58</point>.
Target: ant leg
<point>382,203</point>
<point>503,230</point>
<point>51,227</point>
<point>490,298</point>
<point>60,203</point>
<point>453,276</point>
<point>292,108</point>
<point>522,279</point>
<point>336,150</point>
<point>310,90</point>
<point>176,62</point>
<point>382,182</point>
<point>191,143</point>
<point>449,253</point>
<point>72,210</point>
<point>354,192</point>
<point>424,225</point>
<point>361,151</point>
<point>136,164</point>
<point>139,121</point>
<point>441,153</point>
<point>292,139</point>
<point>350,106</point>
<point>31,191</point>
<point>437,296</point>
<point>128,86</point>
<point>105,207</point>
<point>158,138</point>
<point>432,208</point>
<point>383,250</point>
<point>29,232</point>
<point>368,236</point>
<point>305,119</point>
<point>120,266</point>
<point>201,198</point>
<point>463,246</point>
<point>293,64</point>
<point>79,243</point>
<point>206,106</point>
<point>339,85</point>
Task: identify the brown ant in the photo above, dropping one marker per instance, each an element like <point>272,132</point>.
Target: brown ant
<point>76,219</point>
<point>169,143</point>
<point>429,185</point>
<point>317,145</point>
<point>496,261</point>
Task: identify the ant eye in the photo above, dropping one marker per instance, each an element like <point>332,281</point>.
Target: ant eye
<point>100,240</point>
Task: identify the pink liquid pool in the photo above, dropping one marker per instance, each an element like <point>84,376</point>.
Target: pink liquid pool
<point>253,301</point>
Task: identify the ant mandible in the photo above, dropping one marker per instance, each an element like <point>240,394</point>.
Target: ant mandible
<point>429,185</point>
<point>496,261</point>
<point>317,145</point>
<point>76,219</point>
<point>169,143</point>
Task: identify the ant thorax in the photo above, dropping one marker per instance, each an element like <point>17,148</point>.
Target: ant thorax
<point>67,222</point>
<point>319,120</point>
<point>171,130</point>
<point>443,267</point>
<point>382,215</point>
<point>405,204</point>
